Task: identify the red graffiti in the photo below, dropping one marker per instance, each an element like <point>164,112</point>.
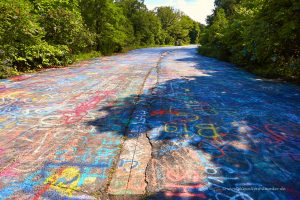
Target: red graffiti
<point>178,174</point>
<point>273,134</point>
<point>73,116</point>
<point>290,190</point>
<point>270,128</point>
<point>293,192</point>
<point>163,112</point>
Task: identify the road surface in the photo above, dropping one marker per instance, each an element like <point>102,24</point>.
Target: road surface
<point>157,123</point>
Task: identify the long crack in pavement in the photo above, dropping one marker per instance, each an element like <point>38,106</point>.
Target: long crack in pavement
<point>158,123</point>
<point>137,147</point>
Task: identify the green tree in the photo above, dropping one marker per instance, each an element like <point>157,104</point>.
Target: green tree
<point>146,25</point>
<point>62,21</point>
<point>262,35</point>
<point>177,27</point>
<point>194,33</point>
<point>168,16</point>
<point>213,37</point>
<point>21,40</point>
<point>105,19</point>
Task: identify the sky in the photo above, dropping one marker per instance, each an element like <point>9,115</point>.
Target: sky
<point>196,9</point>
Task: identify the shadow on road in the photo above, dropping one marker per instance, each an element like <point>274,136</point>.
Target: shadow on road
<point>225,135</point>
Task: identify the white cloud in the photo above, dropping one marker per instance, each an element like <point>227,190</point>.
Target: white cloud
<point>196,9</point>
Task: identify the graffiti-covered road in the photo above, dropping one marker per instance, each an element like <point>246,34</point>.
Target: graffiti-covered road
<point>158,123</point>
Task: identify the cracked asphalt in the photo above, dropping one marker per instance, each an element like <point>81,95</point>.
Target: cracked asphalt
<point>157,123</point>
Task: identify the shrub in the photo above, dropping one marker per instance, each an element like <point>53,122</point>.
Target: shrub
<point>41,55</point>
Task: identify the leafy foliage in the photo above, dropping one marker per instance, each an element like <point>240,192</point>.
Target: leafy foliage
<point>262,35</point>
<point>63,24</point>
<point>21,40</point>
<point>177,28</point>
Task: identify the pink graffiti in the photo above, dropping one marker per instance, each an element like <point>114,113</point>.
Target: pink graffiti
<point>173,194</point>
<point>8,171</point>
<point>19,78</point>
<point>185,192</point>
<point>106,67</point>
<point>73,116</point>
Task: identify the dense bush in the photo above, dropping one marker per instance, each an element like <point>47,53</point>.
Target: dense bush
<point>21,40</point>
<point>42,55</point>
<point>262,35</point>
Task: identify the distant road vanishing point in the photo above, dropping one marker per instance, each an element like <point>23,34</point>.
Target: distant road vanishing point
<point>156,123</point>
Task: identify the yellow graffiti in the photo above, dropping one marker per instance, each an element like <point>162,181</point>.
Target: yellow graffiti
<point>7,123</point>
<point>209,127</point>
<point>170,128</point>
<point>91,73</point>
<point>13,94</point>
<point>90,180</point>
<point>66,182</point>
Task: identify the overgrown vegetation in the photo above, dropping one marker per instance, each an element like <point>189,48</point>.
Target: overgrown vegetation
<point>41,33</point>
<point>261,35</point>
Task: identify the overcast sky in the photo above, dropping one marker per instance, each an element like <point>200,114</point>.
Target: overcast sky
<point>196,9</point>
